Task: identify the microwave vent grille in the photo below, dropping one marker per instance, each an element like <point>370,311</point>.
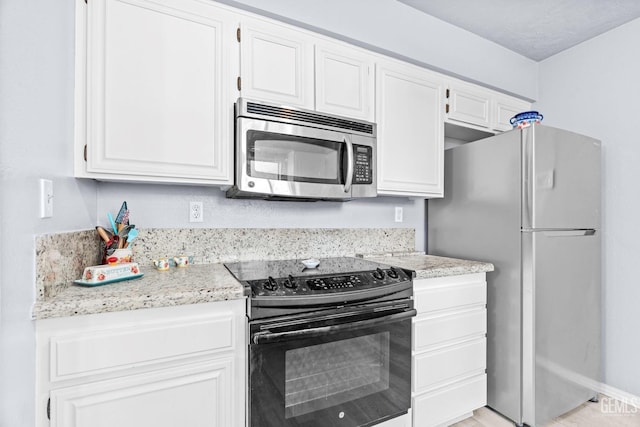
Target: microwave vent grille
<point>309,117</point>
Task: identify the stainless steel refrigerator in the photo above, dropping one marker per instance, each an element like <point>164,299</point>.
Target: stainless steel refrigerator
<point>529,202</point>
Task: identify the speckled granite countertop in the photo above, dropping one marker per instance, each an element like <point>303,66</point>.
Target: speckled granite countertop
<point>177,286</point>
<point>207,283</point>
<point>430,266</point>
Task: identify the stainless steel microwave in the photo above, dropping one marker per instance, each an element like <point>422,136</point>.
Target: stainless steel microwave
<point>286,153</point>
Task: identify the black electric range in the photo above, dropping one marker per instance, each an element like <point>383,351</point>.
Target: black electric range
<point>287,286</point>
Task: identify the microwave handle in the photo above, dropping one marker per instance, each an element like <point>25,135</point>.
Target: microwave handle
<point>349,178</point>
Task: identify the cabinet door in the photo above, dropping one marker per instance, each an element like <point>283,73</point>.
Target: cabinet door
<point>410,131</point>
<point>194,396</point>
<point>468,104</point>
<point>276,64</point>
<point>505,107</point>
<point>344,81</point>
<point>157,103</point>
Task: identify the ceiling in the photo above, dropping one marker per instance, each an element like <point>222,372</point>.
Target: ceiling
<point>537,29</point>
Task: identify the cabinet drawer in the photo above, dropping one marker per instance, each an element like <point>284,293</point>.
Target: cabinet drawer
<point>443,295</point>
<point>93,352</point>
<point>431,331</point>
<point>448,363</point>
<point>448,403</point>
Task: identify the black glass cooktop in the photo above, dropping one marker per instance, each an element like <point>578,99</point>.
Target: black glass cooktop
<point>258,270</point>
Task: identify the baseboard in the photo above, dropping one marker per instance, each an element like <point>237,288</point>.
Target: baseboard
<point>618,394</point>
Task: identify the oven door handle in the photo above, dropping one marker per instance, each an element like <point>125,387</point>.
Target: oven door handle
<point>271,337</point>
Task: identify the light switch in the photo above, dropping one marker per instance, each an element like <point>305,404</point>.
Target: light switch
<point>46,198</point>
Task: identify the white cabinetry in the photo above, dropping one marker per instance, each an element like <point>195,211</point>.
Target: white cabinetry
<point>344,81</point>
<point>152,94</point>
<point>291,67</point>
<point>504,108</point>
<point>449,349</point>
<point>148,368</point>
<point>410,130</point>
<point>472,105</point>
<point>276,64</point>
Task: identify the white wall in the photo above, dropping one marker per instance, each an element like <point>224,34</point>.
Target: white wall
<point>391,27</point>
<point>168,206</point>
<point>594,89</point>
<point>36,134</point>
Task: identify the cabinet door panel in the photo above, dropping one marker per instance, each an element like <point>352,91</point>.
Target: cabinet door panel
<point>198,396</point>
<point>155,107</point>
<point>449,363</point>
<point>505,109</point>
<point>344,82</point>
<point>435,409</point>
<point>76,355</point>
<point>469,106</point>
<point>276,64</point>
<point>438,330</point>
<point>410,131</point>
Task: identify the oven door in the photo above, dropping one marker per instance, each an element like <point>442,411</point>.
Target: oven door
<point>287,160</point>
<point>345,368</point>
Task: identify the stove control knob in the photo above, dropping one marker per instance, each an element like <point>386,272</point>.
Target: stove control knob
<point>378,274</point>
<point>290,283</point>
<point>393,273</point>
<point>270,284</point>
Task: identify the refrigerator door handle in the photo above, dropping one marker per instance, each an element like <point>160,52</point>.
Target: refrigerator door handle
<point>569,233</point>
<point>526,145</point>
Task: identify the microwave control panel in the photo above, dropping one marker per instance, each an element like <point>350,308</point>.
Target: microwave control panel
<point>362,173</point>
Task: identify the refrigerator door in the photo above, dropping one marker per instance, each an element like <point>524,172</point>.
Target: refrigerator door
<point>561,179</point>
<point>561,321</point>
<point>479,218</point>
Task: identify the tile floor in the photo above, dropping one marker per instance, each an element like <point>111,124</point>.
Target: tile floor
<point>605,413</point>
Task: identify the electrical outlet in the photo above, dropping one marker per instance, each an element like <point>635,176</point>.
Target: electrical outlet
<point>196,212</point>
<point>399,213</point>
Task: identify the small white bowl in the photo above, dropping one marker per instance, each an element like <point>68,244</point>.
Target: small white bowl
<point>310,263</point>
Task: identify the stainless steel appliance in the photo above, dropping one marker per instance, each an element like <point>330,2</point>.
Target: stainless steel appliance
<point>288,153</point>
<point>329,346</point>
<point>529,202</point>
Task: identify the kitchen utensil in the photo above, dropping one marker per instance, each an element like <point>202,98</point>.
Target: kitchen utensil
<point>133,233</point>
<point>104,234</point>
<point>120,218</point>
<point>112,222</point>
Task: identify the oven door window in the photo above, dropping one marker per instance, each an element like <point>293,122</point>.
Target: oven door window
<point>347,378</point>
<point>324,375</point>
<point>294,158</point>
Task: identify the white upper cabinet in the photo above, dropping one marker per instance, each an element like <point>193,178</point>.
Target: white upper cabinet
<point>344,81</point>
<point>410,130</point>
<point>477,107</point>
<point>291,67</point>
<point>468,103</point>
<point>154,103</point>
<point>276,64</point>
<point>505,107</point>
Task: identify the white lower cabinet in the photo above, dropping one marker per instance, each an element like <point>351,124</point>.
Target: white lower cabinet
<point>194,395</point>
<point>160,367</point>
<point>449,349</point>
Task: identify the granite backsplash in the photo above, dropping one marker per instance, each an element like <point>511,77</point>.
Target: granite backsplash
<point>61,258</point>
